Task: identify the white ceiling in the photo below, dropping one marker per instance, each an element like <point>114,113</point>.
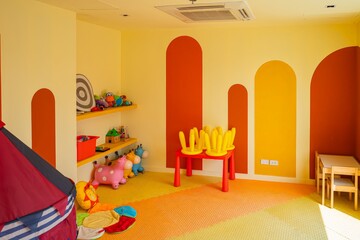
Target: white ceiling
<point>130,14</point>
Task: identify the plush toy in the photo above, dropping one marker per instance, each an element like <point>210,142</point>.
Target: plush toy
<point>125,102</point>
<point>86,195</point>
<point>100,102</point>
<point>139,151</point>
<point>135,161</point>
<point>118,100</point>
<point>128,173</point>
<point>110,99</point>
<point>113,174</point>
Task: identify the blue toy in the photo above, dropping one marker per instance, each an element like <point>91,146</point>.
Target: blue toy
<point>139,151</point>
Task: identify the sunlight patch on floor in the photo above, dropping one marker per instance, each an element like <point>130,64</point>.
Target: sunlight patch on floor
<point>339,225</point>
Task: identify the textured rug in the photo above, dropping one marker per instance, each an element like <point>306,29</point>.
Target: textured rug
<point>198,209</point>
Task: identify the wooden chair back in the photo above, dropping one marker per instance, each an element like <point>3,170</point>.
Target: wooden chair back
<point>344,184</point>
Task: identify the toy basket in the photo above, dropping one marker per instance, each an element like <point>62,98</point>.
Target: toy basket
<point>86,146</point>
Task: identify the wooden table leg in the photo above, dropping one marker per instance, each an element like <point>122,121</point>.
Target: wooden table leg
<point>323,188</point>
<point>177,172</point>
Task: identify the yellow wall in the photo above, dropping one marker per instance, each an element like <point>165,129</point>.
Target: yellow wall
<point>39,51</point>
<point>231,55</point>
<point>44,47</point>
<point>98,52</point>
<point>99,59</point>
<point>275,119</point>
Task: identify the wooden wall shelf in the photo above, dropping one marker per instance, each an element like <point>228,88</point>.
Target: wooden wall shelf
<point>105,112</point>
<point>113,148</point>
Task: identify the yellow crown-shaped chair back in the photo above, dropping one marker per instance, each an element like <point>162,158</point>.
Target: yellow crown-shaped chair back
<point>217,143</point>
<point>230,145</point>
<point>196,142</point>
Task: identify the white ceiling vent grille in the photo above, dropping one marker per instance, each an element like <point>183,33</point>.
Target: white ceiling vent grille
<point>210,12</point>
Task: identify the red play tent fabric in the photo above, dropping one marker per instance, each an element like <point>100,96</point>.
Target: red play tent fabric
<point>29,186</point>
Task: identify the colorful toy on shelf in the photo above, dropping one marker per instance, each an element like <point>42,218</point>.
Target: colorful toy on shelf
<point>113,174</point>
<point>110,99</point>
<point>195,142</point>
<point>124,133</point>
<point>118,100</point>
<point>112,136</point>
<point>100,102</point>
<point>125,102</point>
<point>86,195</point>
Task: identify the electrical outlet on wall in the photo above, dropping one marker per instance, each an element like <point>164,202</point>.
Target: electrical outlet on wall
<point>274,162</point>
<point>264,161</point>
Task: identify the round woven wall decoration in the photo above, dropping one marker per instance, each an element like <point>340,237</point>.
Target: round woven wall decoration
<point>84,94</point>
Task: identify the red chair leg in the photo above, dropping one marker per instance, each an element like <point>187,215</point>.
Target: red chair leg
<point>232,165</point>
<point>177,172</point>
<point>188,166</point>
<point>225,180</point>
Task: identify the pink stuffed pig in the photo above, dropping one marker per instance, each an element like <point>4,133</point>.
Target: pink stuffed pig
<point>113,174</point>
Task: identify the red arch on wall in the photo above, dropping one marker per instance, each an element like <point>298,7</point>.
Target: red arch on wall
<point>238,118</point>
<point>333,106</point>
<point>183,93</point>
<point>43,125</point>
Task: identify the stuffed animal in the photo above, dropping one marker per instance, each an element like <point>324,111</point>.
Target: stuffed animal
<point>100,102</point>
<point>113,174</point>
<point>128,173</point>
<point>125,102</point>
<point>86,195</point>
<point>135,161</point>
<point>118,100</point>
<point>110,99</point>
<point>141,153</point>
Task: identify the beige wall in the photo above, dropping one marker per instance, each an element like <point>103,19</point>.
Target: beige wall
<point>39,51</point>
<point>230,56</point>
<point>99,59</point>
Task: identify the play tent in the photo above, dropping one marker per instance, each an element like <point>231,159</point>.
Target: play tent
<point>36,201</point>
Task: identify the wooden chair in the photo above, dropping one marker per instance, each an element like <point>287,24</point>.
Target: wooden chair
<point>343,184</point>
<point>318,171</point>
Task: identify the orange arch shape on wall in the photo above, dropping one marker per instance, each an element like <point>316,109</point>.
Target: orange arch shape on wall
<point>238,118</point>
<point>183,93</point>
<point>333,105</point>
<point>43,125</point>
<point>275,119</point>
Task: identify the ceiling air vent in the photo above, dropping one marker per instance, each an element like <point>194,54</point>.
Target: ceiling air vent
<point>210,12</point>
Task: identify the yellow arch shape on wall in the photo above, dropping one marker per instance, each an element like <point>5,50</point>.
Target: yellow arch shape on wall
<point>275,119</point>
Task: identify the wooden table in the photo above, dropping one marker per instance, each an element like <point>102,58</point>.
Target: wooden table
<point>228,166</point>
<point>327,161</point>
